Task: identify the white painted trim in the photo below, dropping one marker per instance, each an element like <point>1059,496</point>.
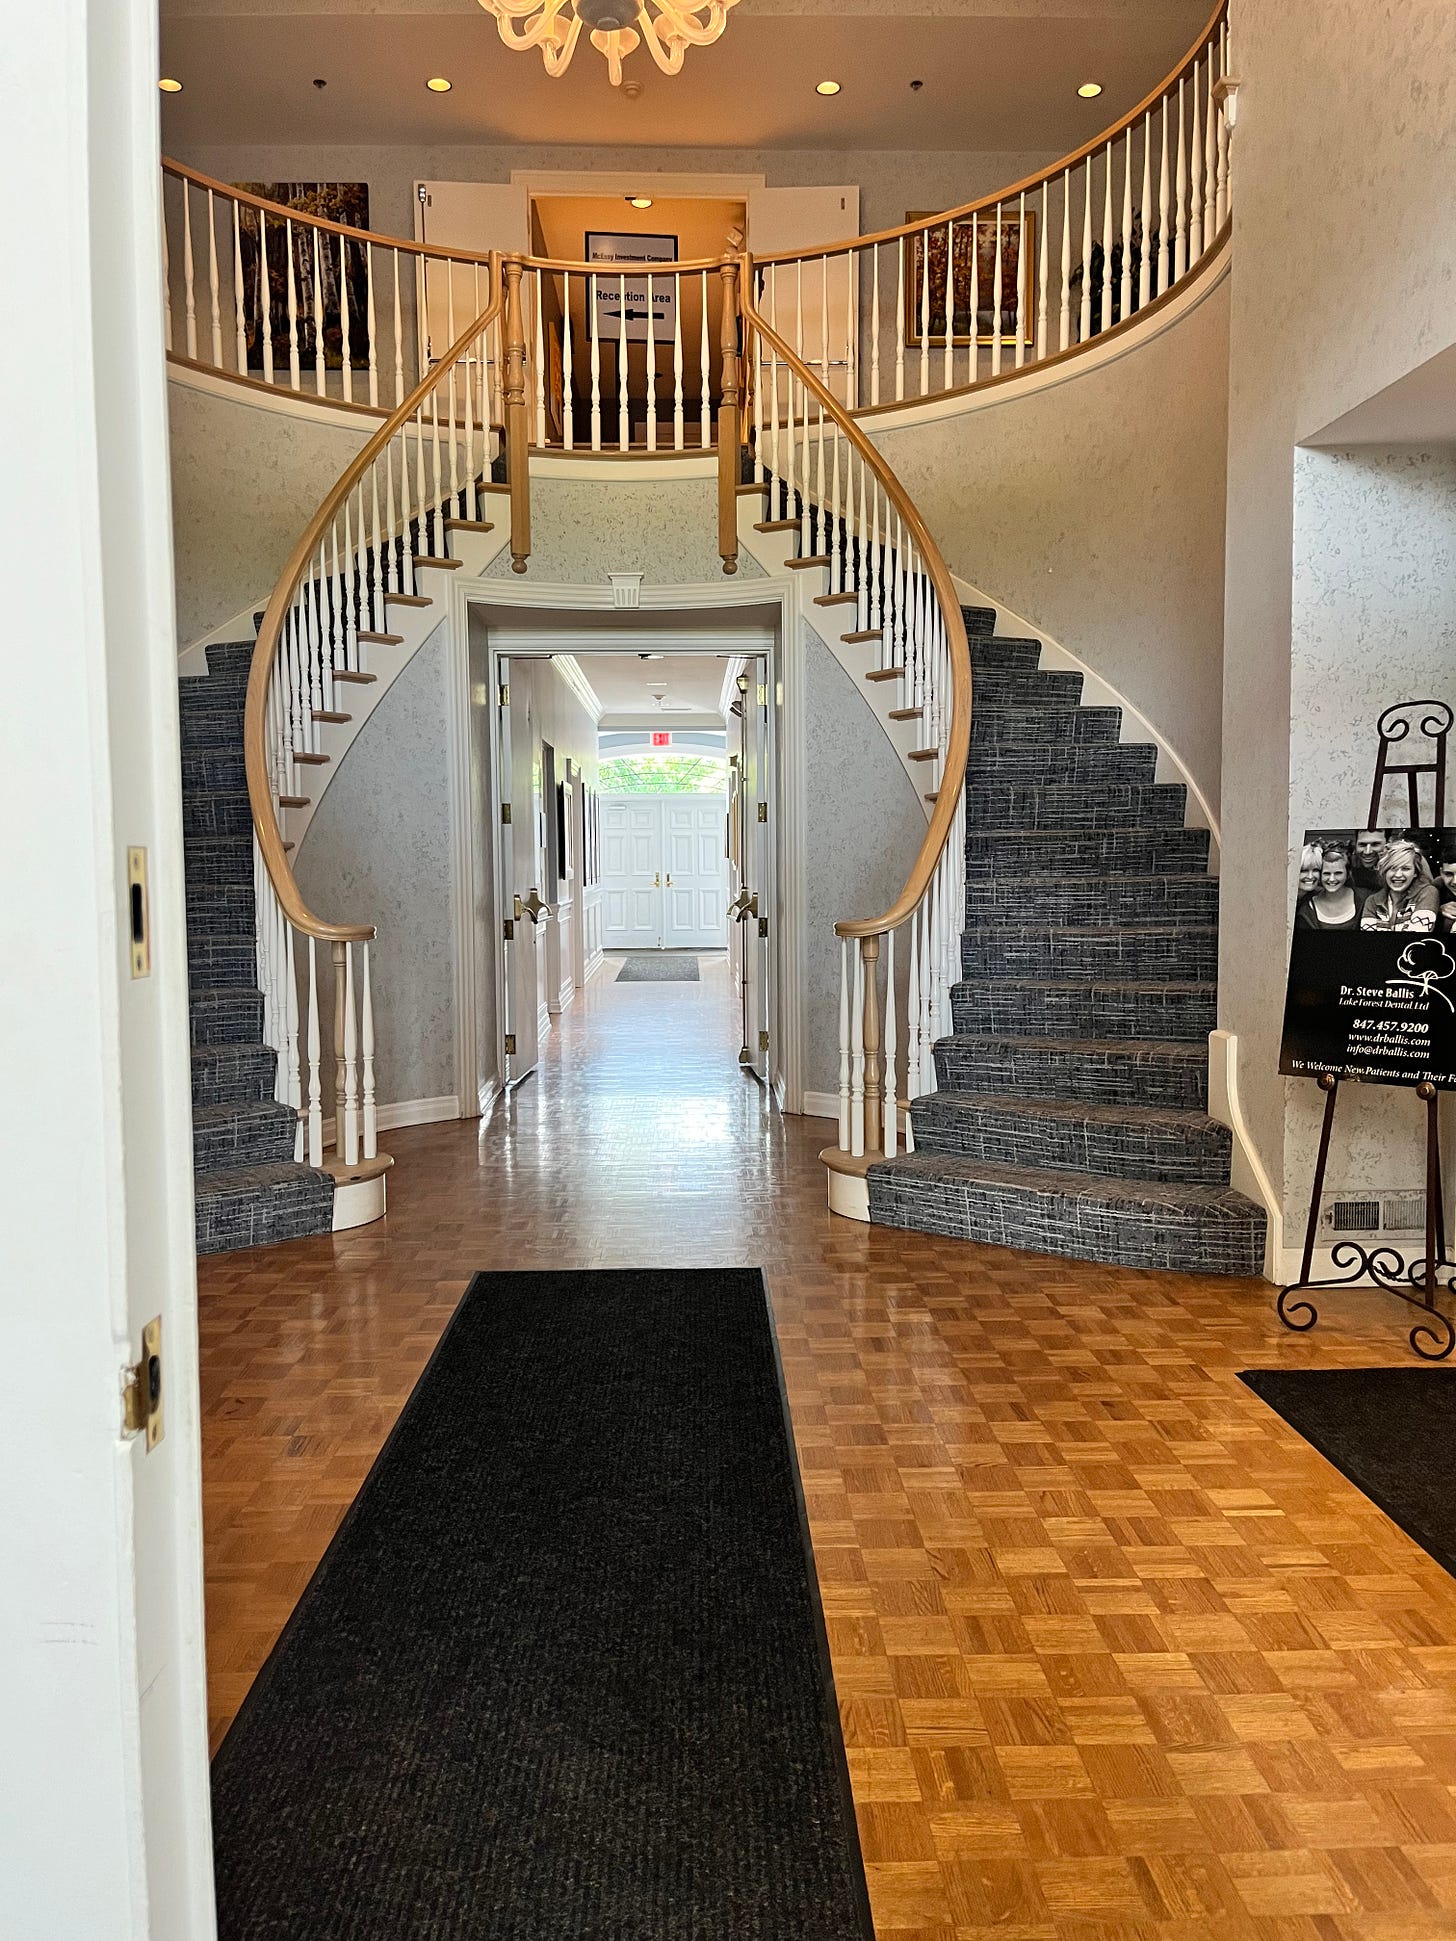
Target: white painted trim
<point>1248,1175</point>
<point>669,184</point>
<point>1099,693</point>
<point>280,403</point>
<point>821,1105</point>
<point>600,470</point>
<point>418,1112</point>
<point>1102,351</point>
<point>359,1203</point>
<point>571,671</point>
<point>788,730</point>
<point>621,640</point>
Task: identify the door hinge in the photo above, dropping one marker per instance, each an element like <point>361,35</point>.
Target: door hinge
<point>763,694</point>
<point>505,694</point>
<point>139,915</point>
<point>510,1044</point>
<point>141,1395</point>
<point>510,930</point>
<point>763,812</point>
<point>505,811</point>
<point>763,1041</point>
<point>763,926</point>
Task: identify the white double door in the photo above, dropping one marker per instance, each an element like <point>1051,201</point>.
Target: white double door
<point>664,872</point>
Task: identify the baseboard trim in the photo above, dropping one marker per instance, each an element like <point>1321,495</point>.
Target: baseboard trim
<point>821,1105</point>
<point>408,1112</point>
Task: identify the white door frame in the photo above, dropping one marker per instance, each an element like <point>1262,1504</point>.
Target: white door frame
<point>104,1813</point>
<point>788,729</point>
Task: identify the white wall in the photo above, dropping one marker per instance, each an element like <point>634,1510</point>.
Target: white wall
<point>583,531</point>
<point>1095,509</point>
<point>246,479</point>
<point>1344,280</point>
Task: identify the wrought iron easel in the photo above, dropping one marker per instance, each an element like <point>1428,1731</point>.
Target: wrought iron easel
<point>1419,1281</point>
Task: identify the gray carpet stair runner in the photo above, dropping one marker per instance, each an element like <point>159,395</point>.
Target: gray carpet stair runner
<point>249,1189</point>
<point>1072,1111</point>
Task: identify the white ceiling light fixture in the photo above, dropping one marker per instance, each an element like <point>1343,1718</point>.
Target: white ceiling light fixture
<point>827,87</point>
<point>1090,90</point>
<point>617,28</point>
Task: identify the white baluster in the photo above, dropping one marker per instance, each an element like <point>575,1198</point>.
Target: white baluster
<point>568,428</point>
<point>265,298</point>
<point>166,278</point>
<point>924,312</point>
<point>1195,173</point>
<point>892,1051</point>
<point>372,326</point>
<point>975,369</point>
<point>679,401</point>
<point>1145,215</point>
<point>240,306</point>
<point>824,321</point>
<point>1165,234</point>
<point>346,355</point>
<point>1084,319</point>
<point>289,1061</point>
<point>624,438</point>
<point>366,1049</point>
<point>595,338</point>
<point>188,290</point>
<point>1222,206</point>
<point>320,362</point>
<point>212,283</point>
<point>857,1056</point>
<point>997,299</point>
<point>1180,264</point>
<point>757,354</point>
<point>1105,286</point>
<point>845,1055</point>
<point>315,1061</point>
<point>1210,156</point>
<point>537,283</point>
<point>900,322</point>
<point>914,1020</point>
<point>399,383</point>
<point>1065,319</point>
<point>875,325</point>
<point>294,375</point>
<point>651,365</point>
<point>1124,288</point>
<point>350,1142</point>
<point>1023,284</point>
<point>947,364</point>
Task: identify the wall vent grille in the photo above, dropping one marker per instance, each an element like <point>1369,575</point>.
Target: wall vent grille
<point>1374,1212</point>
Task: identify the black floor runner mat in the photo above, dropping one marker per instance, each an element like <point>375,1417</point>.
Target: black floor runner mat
<point>1392,1431</point>
<point>562,1675</point>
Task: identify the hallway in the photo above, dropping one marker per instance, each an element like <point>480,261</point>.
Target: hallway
<point>1117,1654</point>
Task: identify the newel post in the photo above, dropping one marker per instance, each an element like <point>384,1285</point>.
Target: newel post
<point>729,411</point>
<point>518,460</point>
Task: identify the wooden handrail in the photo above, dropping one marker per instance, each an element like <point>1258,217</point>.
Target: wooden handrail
<point>260,794</point>
<point>958,739</point>
<point>282,212</point>
<point>1027,182</point>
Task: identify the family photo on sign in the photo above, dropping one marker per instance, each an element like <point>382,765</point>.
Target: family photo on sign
<point>1372,879</point>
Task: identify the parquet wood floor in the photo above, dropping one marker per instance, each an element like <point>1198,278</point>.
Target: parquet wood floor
<point>1118,1655</point>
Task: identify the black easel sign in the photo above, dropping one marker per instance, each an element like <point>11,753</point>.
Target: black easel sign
<point>1372,967</point>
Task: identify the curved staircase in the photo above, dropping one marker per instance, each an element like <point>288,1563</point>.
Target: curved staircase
<point>1070,1116</point>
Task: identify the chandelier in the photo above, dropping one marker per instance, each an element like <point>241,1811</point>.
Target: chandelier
<point>617,27</point>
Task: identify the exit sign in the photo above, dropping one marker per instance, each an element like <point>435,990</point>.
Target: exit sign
<point>661,740</point>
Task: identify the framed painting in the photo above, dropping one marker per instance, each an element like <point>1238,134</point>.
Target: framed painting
<point>324,282</point>
<point>962,280</point>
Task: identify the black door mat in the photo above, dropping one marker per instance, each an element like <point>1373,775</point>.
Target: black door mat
<point>562,1673</point>
<point>1392,1431</point>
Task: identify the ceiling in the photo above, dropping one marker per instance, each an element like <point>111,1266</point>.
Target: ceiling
<point>997,75</point>
<point>624,684</point>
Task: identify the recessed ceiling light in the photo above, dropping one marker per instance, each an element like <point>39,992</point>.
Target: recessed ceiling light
<point>639,201</point>
<point>169,86</point>
<point>1090,90</point>
<point>437,84</point>
<point>827,87</point>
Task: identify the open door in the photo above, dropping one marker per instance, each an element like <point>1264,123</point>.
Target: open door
<point>750,909</point>
<point>521,904</point>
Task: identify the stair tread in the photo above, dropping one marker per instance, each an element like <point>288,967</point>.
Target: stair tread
<point>237,1110</point>
<point>1179,984</point>
<point>264,1175</point>
<point>1085,1111</point>
<point>218,994</point>
<point>1221,1202</point>
<point>1184,1051</point>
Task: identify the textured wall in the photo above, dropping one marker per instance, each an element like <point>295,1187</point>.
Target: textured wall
<point>667,531</point>
<point>1345,279</point>
<point>865,827</point>
<point>1374,621</point>
<point>892,181</point>
<point>379,851</point>
<point>1095,509</point>
<point>245,481</point>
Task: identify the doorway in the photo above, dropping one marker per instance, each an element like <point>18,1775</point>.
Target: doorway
<point>664,872</point>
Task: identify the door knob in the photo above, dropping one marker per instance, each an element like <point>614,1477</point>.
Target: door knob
<point>532,907</point>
